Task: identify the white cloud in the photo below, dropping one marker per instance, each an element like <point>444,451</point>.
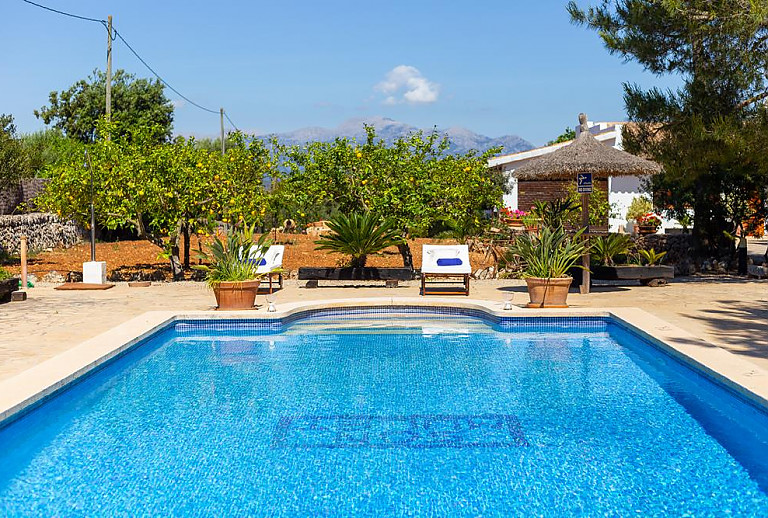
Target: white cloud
<point>178,103</point>
<point>405,83</point>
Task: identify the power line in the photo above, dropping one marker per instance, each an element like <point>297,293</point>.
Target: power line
<point>190,101</point>
<point>116,33</point>
<point>226,115</point>
<point>65,14</point>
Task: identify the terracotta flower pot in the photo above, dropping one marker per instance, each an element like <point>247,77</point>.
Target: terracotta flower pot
<point>236,295</point>
<point>645,230</point>
<point>548,293</point>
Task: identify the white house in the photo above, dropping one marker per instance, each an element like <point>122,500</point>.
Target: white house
<point>621,190</point>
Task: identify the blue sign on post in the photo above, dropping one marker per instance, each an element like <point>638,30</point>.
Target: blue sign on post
<point>584,183</point>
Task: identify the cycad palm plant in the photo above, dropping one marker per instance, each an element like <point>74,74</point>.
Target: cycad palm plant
<point>606,248</point>
<point>360,235</point>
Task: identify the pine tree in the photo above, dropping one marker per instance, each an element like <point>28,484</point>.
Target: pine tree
<point>709,134</point>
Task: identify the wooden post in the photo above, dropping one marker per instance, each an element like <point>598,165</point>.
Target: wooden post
<point>23,262</point>
<point>585,274</point>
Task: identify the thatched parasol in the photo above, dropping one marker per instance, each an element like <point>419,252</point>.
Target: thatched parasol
<point>585,155</point>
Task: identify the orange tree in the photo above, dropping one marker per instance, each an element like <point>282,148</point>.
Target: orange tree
<point>161,191</point>
<point>413,181</point>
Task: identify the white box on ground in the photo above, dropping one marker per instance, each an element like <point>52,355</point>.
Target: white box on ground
<point>95,272</point>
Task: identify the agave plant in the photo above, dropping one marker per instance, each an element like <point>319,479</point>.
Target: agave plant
<point>360,235</point>
<point>228,258</point>
<point>551,253</point>
<point>651,257</point>
<point>606,248</point>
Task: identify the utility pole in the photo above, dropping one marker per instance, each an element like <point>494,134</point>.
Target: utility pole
<point>221,115</point>
<point>109,69</point>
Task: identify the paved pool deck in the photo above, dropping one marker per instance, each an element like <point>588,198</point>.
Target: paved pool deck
<point>728,312</point>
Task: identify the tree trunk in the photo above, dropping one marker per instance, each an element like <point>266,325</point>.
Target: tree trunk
<point>359,262</point>
<point>405,251</point>
<point>708,227</point>
<point>176,266</point>
<point>186,246</point>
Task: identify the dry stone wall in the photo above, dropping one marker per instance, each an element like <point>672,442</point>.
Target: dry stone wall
<point>10,197</point>
<point>43,231</point>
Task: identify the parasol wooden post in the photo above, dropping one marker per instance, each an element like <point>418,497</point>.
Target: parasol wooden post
<point>23,252</point>
<point>585,274</point>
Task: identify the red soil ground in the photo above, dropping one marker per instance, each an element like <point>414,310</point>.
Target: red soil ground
<point>140,259</point>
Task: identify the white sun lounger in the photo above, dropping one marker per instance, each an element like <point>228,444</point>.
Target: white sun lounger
<point>440,261</point>
<point>270,263</point>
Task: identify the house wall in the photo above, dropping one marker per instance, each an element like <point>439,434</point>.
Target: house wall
<point>623,190</point>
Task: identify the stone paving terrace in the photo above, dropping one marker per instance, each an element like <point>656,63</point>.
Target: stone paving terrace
<point>726,311</point>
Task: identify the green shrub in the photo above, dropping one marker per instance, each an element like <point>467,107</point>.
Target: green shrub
<point>639,207</point>
<point>554,214</point>
<point>600,208</point>
<point>5,274</point>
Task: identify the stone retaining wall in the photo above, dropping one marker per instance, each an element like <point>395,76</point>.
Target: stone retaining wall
<point>43,231</point>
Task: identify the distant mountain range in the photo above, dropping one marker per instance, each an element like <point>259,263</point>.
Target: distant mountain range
<point>461,139</point>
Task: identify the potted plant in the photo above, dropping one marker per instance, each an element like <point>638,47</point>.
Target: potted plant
<point>548,256</point>
<point>231,273</point>
<point>639,207</point>
<point>648,224</point>
<point>609,250</point>
<point>8,284</point>
<point>512,218</point>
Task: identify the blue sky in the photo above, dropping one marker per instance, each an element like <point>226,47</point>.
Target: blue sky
<point>495,67</point>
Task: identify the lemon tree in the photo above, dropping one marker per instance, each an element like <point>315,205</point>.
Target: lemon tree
<point>161,191</point>
<point>413,181</point>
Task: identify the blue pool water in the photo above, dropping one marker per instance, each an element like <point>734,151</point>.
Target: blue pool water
<point>397,415</point>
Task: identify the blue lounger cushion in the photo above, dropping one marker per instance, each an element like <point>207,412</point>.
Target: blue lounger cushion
<point>451,261</point>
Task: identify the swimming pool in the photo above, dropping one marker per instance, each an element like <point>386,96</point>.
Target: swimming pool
<point>389,414</point>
